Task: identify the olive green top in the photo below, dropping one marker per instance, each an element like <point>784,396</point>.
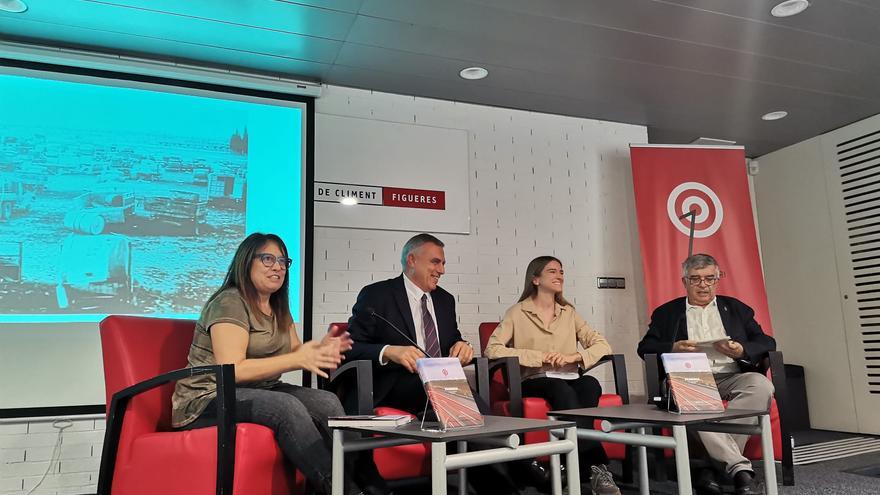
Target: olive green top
<point>192,395</point>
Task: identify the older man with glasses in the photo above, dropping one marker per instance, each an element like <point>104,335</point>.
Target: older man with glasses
<point>681,324</point>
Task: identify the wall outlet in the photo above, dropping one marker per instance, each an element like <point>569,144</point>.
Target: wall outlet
<point>611,282</point>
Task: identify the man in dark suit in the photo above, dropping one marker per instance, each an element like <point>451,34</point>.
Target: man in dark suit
<point>679,325</point>
<point>426,313</point>
<point>416,305</point>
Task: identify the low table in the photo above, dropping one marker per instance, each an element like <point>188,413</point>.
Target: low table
<point>639,417</point>
<point>498,431</point>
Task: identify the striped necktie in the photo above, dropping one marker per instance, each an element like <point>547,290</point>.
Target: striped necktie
<point>432,343</point>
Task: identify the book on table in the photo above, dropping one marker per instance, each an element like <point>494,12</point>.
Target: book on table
<point>449,392</point>
<point>368,420</point>
<point>691,383</point>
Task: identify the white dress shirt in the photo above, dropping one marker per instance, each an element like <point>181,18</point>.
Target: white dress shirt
<point>414,297</point>
<point>705,324</point>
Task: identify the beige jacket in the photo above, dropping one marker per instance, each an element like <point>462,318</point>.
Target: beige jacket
<point>522,334</point>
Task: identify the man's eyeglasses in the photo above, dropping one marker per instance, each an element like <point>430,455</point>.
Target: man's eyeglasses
<point>696,280</point>
<point>268,260</point>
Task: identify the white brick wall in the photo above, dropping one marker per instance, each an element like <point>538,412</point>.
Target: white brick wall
<point>26,447</point>
<point>539,184</point>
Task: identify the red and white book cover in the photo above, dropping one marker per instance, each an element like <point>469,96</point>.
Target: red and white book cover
<point>449,393</point>
<point>691,382</point>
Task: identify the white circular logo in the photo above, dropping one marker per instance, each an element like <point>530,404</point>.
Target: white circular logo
<point>692,196</point>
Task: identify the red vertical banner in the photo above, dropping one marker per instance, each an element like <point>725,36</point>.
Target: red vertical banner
<point>669,181</point>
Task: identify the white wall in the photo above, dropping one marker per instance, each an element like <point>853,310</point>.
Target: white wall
<point>27,446</point>
<point>539,184</point>
<point>803,289</point>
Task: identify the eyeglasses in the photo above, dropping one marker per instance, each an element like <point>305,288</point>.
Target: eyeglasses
<point>696,280</point>
<point>268,260</point>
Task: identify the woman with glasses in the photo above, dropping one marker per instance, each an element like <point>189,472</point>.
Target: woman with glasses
<point>247,322</point>
<point>543,331</point>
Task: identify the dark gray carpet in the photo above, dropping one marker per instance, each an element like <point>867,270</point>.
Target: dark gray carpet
<point>824,478</point>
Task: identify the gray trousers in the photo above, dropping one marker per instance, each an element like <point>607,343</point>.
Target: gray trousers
<point>742,391</point>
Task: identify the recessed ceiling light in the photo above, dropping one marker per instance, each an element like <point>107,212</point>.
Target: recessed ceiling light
<point>14,6</point>
<point>349,201</point>
<point>473,73</point>
<point>789,8</point>
<point>779,114</point>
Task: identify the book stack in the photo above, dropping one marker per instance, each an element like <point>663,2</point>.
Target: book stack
<point>368,421</point>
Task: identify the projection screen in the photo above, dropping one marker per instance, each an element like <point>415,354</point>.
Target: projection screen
<point>128,195</point>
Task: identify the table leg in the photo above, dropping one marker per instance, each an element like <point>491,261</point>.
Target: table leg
<point>769,461</point>
<point>462,473</point>
<point>571,462</point>
<point>642,454</point>
<point>682,462</point>
<point>555,471</point>
<point>438,468</point>
<point>337,474</point>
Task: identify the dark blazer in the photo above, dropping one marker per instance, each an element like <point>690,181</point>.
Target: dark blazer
<point>669,324</point>
<point>388,299</point>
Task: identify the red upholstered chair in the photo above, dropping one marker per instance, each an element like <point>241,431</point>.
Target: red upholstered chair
<point>394,463</point>
<point>782,449</point>
<point>143,357</point>
<point>506,399</point>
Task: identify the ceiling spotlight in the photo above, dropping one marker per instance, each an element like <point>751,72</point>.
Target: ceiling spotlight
<point>473,73</point>
<point>349,201</point>
<point>789,8</point>
<point>14,6</point>
<point>779,114</point>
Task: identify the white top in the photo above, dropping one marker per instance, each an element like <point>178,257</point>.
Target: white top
<point>705,324</point>
<point>414,297</point>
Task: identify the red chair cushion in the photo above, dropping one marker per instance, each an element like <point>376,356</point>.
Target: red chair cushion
<point>186,462</point>
<point>403,461</point>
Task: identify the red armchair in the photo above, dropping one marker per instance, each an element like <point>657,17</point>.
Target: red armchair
<point>782,449</point>
<point>143,357</point>
<point>506,397</point>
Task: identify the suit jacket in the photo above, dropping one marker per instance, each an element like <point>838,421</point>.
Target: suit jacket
<point>388,299</point>
<point>669,324</point>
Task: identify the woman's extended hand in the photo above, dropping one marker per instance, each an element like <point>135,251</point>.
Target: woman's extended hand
<point>338,337</point>
<point>317,356</point>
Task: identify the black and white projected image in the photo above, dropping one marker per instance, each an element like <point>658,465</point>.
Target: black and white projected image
<point>129,222</point>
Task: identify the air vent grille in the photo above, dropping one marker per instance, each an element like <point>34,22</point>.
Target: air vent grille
<point>859,165</point>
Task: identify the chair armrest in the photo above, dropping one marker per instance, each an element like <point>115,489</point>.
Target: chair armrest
<point>360,373</point>
<point>481,369</point>
<point>510,372</point>
<point>618,364</point>
<point>225,376</point>
<point>777,375</point>
<point>653,377</point>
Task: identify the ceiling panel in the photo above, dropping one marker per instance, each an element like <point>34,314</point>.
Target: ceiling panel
<point>151,26</point>
<point>557,43</point>
<point>685,68</point>
<point>784,39</point>
<point>283,17</point>
<point>844,19</point>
